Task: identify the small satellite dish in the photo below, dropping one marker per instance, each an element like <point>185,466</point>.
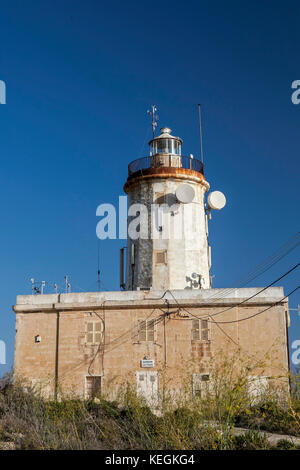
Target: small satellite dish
<point>185,193</point>
<point>216,200</point>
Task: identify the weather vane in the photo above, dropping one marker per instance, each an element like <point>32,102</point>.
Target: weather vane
<point>154,117</point>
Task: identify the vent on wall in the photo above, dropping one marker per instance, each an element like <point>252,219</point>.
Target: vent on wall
<point>161,257</point>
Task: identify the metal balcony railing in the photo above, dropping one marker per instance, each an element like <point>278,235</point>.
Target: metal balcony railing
<point>165,161</point>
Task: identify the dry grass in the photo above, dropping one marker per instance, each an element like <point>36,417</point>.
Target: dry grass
<point>200,423</point>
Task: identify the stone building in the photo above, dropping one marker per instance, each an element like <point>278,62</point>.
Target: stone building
<point>167,325</point>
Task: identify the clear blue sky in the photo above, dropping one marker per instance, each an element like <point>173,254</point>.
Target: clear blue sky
<point>80,76</point>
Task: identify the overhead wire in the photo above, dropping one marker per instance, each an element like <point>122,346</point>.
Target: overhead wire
<point>242,319</point>
<point>259,313</point>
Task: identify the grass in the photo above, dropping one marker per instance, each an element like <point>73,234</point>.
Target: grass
<point>127,423</point>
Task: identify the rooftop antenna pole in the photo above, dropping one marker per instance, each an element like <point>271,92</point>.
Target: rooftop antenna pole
<point>200,128</point>
<point>32,285</point>
<point>66,282</point>
<point>154,118</point>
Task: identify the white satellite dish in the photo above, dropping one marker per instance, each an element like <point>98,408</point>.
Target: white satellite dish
<point>216,200</point>
<point>185,193</point>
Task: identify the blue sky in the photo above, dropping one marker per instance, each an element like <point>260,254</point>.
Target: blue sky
<point>80,77</point>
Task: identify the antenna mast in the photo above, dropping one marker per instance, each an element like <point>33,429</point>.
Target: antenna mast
<point>200,128</point>
<point>154,118</point>
<point>66,283</point>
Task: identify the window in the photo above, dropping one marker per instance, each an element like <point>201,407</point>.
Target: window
<point>162,146</point>
<point>92,386</point>
<point>204,330</point>
<point>201,385</point>
<point>93,332</point>
<point>200,330</point>
<point>161,257</point>
<point>146,330</point>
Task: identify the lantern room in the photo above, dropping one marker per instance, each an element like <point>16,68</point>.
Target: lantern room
<point>165,143</point>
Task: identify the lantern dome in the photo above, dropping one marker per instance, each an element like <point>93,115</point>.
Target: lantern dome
<point>165,143</point>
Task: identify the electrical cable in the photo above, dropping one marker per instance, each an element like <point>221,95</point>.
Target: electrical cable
<point>156,322</point>
<point>261,268</point>
<point>259,313</point>
<point>240,303</point>
<point>242,319</point>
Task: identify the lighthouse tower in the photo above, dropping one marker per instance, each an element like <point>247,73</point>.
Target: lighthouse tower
<point>167,223</point>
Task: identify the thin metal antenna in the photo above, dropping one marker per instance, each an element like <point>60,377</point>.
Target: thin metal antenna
<point>200,128</point>
<point>66,283</point>
<point>42,287</point>
<point>154,118</point>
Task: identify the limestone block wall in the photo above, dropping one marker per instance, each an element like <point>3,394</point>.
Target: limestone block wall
<point>64,362</point>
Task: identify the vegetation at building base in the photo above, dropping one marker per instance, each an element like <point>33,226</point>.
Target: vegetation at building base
<point>206,422</point>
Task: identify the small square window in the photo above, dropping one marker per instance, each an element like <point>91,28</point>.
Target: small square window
<point>161,257</point>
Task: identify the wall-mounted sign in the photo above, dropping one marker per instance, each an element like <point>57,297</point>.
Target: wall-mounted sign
<point>147,363</point>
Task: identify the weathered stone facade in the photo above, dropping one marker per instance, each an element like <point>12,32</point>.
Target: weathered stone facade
<point>182,235</point>
<point>53,348</point>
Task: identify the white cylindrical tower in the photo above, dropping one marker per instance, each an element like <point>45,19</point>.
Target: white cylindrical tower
<point>167,224</point>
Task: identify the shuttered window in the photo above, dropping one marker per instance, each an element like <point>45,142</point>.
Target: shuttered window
<point>93,332</point>
<point>200,330</point>
<point>146,330</point>
<point>195,330</point>
<point>204,330</point>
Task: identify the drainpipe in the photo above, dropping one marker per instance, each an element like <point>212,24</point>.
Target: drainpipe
<point>288,349</point>
<point>56,357</point>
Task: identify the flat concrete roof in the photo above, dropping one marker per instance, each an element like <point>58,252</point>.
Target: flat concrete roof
<point>127,299</point>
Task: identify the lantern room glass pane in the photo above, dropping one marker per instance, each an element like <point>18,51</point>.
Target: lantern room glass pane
<point>162,146</point>
<point>170,146</point>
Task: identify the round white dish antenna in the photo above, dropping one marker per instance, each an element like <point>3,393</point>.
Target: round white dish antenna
<point>216,200</point>
<point>185,193</point>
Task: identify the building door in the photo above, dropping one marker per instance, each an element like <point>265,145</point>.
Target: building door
<point>258,386</point>
<point>92,386</point>
<point>147,387</point>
